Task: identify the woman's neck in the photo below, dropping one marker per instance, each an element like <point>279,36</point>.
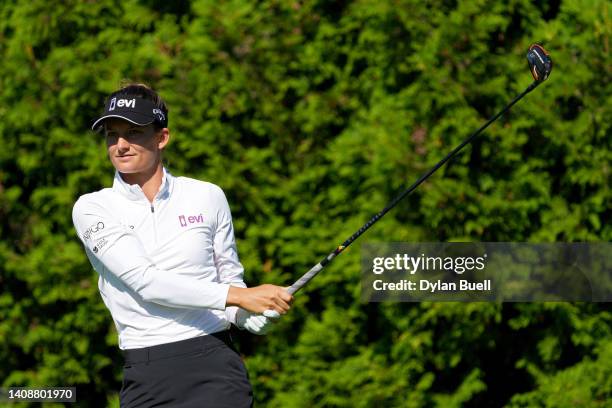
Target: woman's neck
<point>148,181</point>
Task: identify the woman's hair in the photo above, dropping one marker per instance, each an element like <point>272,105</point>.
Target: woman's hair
<point>144,91</point>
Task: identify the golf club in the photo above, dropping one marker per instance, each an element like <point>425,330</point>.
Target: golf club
<point>540,65</point>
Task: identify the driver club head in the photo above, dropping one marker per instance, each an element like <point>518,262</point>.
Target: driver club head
<point>540,63</point>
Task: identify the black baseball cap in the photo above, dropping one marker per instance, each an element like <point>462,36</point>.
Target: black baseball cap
<point>132,108</point>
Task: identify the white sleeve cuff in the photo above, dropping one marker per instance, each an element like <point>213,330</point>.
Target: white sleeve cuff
<point>230,314</point>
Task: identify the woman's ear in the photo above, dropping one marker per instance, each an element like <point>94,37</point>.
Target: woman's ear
<point>164,138</point>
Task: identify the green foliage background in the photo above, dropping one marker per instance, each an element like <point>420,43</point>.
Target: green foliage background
<point>311,116</point>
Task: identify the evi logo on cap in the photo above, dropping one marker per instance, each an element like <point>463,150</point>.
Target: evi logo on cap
<point>121,103</point>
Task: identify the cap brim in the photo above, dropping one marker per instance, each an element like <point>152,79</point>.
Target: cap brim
<point>131,116</point>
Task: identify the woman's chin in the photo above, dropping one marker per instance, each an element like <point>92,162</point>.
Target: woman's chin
<point>126,167</point>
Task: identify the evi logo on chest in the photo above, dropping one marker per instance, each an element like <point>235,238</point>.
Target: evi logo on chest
<point>185,220</point>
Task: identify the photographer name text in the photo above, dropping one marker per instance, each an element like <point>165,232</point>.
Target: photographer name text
<point>432,287</point>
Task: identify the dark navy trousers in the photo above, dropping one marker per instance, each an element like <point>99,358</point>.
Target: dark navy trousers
<point>202,372</point>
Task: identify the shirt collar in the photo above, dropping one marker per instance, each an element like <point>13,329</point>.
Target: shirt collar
<point>134,191</point>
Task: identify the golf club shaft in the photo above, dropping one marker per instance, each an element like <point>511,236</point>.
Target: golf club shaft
<point>318,267</point>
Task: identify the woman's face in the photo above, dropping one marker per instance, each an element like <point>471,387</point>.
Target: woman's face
<point>132,148</point>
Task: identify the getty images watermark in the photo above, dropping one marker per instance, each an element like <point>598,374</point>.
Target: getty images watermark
<point>487,271</point>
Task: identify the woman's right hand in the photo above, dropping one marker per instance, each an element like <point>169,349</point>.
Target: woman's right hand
<point>260,298</point>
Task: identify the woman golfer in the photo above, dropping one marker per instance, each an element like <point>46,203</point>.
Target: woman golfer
<point>169,273</point>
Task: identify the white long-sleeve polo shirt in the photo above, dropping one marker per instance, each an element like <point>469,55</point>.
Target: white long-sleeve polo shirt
<point>164,267</point>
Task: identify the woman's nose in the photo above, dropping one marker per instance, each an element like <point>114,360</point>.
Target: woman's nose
<point>122,144</point>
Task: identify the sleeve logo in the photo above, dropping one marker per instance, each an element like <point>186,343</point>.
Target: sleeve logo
<point>99,226</point>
